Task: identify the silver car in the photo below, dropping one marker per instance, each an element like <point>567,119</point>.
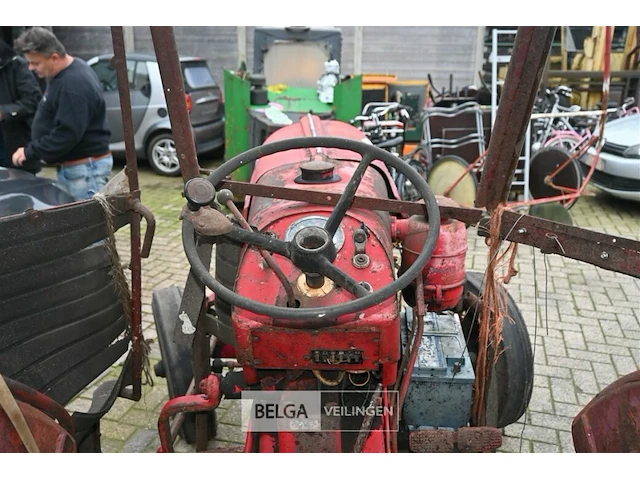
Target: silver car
<point>151,125</point>
<point>617,171</point>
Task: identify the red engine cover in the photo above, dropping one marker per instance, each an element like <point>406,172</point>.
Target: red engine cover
<point>374,332</point>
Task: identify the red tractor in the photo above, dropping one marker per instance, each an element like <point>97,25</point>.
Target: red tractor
<point>351,321</point>
<point>355,327</point>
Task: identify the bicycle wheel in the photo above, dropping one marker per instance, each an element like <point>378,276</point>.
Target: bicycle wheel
<point>406,189</point>
<point>553,211</point>
<point>545,162</point>
<point>418,159</point>
<point>445,171</point>
<point>568,143</point>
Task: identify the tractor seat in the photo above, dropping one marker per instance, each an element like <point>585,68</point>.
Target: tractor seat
<point>583,122</point>
<point>610,423</point>
<point>610,104</point>
<point>62,321</point>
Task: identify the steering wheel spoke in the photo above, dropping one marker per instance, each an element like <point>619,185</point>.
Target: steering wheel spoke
<point>259,240</point>
<point>342,279</point>
<point>333,222</point>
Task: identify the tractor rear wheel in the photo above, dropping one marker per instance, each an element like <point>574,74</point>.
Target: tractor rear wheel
<point>513,372</point>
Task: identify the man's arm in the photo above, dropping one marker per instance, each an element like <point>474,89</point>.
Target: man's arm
<point>28,94</point>
<point>70,123</point>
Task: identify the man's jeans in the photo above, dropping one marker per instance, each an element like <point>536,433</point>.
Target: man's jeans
<point>85,180</point>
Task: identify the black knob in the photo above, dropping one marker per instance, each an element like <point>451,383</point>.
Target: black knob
<point>199,192</point>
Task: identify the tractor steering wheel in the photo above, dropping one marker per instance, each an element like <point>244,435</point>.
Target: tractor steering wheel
<point>312,249</point>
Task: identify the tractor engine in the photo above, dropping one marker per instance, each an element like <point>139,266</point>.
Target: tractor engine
<point>362,349</point>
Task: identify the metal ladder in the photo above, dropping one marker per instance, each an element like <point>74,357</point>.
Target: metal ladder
<point>521,175</point>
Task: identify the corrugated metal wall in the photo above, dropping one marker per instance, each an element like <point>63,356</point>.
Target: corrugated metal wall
<point>413,52</point>
<point>409,52</point>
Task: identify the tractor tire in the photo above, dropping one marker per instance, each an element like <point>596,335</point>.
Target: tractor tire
<point>176,359</point>
<point>513,372</point>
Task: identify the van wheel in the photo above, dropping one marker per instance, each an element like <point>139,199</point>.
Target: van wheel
<point>163,156</point>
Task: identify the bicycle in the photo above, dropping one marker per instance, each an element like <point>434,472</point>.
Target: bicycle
<point>385,125</point>
<point>554,169</point>
<point>554,129</point>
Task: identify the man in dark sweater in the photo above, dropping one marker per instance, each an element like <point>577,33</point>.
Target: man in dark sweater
<point>70,128</point>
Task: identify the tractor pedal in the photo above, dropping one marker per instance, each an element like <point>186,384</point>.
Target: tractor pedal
<point>478,439</point>
<point>465,439</point>
<point>431,441</point>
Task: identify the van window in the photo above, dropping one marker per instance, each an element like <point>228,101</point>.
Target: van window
<point>198,76</point>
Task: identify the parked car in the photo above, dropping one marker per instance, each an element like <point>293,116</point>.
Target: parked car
<point>617,171</point>
<point>152,128</point>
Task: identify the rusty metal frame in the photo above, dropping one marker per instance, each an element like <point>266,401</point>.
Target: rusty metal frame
<point>164,43</point>
<point>136,210</point>
<point>201,403</point>
<point>610,252</point>
<point>166,49</point>
<point>530,53</point>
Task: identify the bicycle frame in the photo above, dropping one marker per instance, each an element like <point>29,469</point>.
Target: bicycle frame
<point>552,124</point>
<point>572,138</point>
<point>576,193</point>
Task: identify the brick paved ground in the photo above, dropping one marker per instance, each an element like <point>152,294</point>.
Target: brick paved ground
<point>589,337</point>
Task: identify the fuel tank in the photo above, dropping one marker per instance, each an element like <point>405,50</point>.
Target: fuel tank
<point>444,274</point>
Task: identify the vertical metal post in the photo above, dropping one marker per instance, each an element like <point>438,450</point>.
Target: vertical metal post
<point>520,88</point>
<point>527,161</point>
<point>201,367</point>
<point>164,44</point>
<point>120,65</point>
<point>494,75</point>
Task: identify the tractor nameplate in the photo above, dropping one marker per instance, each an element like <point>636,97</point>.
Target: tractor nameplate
<point>336,357</point>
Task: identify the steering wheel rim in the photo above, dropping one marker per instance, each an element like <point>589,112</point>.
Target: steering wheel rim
<point>319,317</point>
